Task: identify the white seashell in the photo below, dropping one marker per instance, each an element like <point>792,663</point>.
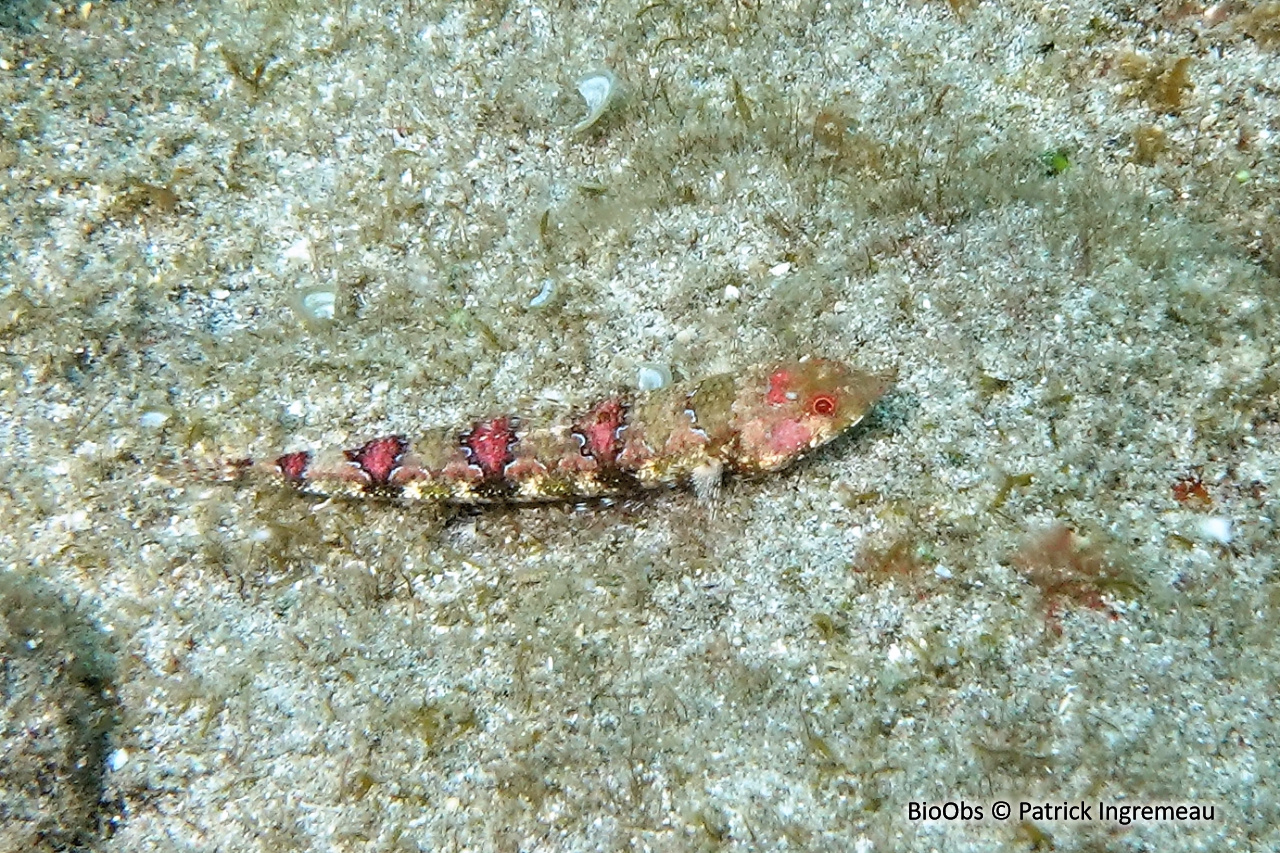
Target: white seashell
<point>154,418</point>
<point>544,296</point>
<point>318,304</point>
<point>117,760</point>
<point>1216,528</point>
<point>652,377</point>
<point>597,89</point>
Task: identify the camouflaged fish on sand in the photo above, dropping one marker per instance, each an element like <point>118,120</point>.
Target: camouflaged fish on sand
<point>692,435</point>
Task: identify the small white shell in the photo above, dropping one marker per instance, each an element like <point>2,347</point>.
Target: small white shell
<point>598,89</point>
<point>652,377</point>
<point>1217,529</point>
<point>545,295</point>
<point>317,305</point>
<point>154,418</point>
<point>117,760</point>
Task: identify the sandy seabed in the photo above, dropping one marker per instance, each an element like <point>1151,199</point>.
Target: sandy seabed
<point>1042,574</point>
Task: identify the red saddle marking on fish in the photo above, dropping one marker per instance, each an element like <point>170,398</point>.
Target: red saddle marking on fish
<point>378,458</point>
<point>601,430</point>
<point>294,466</point>
<point>489,444</point>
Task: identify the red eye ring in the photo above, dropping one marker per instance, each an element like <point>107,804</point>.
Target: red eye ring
<point>824,405</point>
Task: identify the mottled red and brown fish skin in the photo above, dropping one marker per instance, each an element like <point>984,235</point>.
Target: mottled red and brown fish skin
<point>686,435</point>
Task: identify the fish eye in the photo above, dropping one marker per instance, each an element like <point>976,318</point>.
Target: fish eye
<point>824,405</point>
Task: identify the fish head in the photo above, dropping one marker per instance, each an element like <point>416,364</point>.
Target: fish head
<point>794,407</point>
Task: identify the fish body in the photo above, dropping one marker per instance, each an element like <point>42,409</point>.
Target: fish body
<point>687,435</point>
